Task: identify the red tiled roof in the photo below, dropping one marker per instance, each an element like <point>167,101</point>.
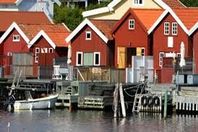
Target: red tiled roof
<point>23,17</point>
<point>174,3</point>
<point>105,26</point>
<point>147,16</point>
<point>8,1</point>
<point>189,16</point>
<point>57,33</point>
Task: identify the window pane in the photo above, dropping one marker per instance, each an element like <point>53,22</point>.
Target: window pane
<point>97,59</point>
<point>88,59</point>
<point>79,59</point>
<point>131,24</point>
<point>166,28</point>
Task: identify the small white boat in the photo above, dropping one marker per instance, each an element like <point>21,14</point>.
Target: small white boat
<point>39,103</point>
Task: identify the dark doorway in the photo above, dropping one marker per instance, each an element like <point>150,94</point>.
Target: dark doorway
<point>130,52</point>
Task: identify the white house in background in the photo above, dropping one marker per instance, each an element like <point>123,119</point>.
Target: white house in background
<point>117,8</point>
<point>29,5</point>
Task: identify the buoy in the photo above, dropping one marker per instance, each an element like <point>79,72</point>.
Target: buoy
<point>156,101</point>
<point>144,101</point>
<point>150,101</point>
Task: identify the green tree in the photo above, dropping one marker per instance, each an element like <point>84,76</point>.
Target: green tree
<point>190,3</point>
<point>72,17</point>
<point>102,4</point>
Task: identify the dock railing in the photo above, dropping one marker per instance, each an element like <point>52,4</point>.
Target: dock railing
<point>111,75</point>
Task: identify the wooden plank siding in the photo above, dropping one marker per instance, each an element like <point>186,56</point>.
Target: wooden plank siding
<point>195,51</point>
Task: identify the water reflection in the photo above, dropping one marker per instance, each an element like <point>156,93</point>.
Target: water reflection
<point>93,121</point>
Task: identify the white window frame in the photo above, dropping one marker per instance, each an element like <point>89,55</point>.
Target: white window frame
<point>16,38</point>
<point>51,50</point>
<point>174,28</point>
<point>131,24</point>
<point>170,40</point>
<point>77,53</point>
<point>166,28</point>
<point>37,50</point>
<point>36,58</point>
<point>86,35</point>
<point>9,54</point>
<point>161,55</point>
<point>143,53</point>
<point>96,53</point>
<point>137,2</point>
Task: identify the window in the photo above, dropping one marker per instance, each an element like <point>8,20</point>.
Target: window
<point>36,59</point>
<point>88,35</point>
<point>166,28</point>
<point>131,24</point>
<point>88,59</point>
<point>138,2</point>
<point>16,38</point>
<point>174,28</point>
<point>79,58</point>
<point>96,58</point>
<point>37,50</point>
<point>161,55</point>
<point>51,50</point>
<point>170,42</point>
<point>140,51</point>
<point>143,51</point>
<point>9,54</point>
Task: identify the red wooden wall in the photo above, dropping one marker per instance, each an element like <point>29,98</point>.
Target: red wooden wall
<point>160,43</point>
<point>96,44</point>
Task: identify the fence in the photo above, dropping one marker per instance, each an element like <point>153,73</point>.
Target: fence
<point>99,73</point>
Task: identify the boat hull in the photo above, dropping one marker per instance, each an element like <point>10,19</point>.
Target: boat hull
<point>40,103</point>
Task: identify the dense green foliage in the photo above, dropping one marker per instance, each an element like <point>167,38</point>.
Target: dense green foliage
<point>72,17</point>
<point>193,3</point>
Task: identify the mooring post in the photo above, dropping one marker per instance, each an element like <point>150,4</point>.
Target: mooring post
<point>122,100</point>
<point>165,103</point>
<point>115,101</point>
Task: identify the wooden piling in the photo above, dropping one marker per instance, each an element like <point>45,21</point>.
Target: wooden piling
<point>122,100</point>
<point>165,103</point>
<point>115,101</point>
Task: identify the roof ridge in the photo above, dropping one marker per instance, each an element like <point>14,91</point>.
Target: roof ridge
<point>103,20</point>
<point>146,9</point>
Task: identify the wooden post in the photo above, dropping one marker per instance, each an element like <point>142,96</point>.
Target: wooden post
<point>165,103</point>
<point>115,101</point>
<point>122,100</point>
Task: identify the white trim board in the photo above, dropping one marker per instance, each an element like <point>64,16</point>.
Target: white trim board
<point>42,33</point>
<point>108,8</point>
<point>111,5</point>
<point>193,29</point>
<point>172,13</point>
<point>9,30</point>
<point>80,27</point>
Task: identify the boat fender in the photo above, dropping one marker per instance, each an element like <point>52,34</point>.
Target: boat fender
<point>156,101</point>
<point>144,101</point>
<point>150,101</point>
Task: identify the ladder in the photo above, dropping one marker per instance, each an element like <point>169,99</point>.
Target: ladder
<point>136,103</point>
<point>138,96</point>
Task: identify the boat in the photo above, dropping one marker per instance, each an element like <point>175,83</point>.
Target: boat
<point>31,95</point>
<point>47,102</point>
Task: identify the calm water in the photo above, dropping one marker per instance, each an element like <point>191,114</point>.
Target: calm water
<point>93,121</point>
